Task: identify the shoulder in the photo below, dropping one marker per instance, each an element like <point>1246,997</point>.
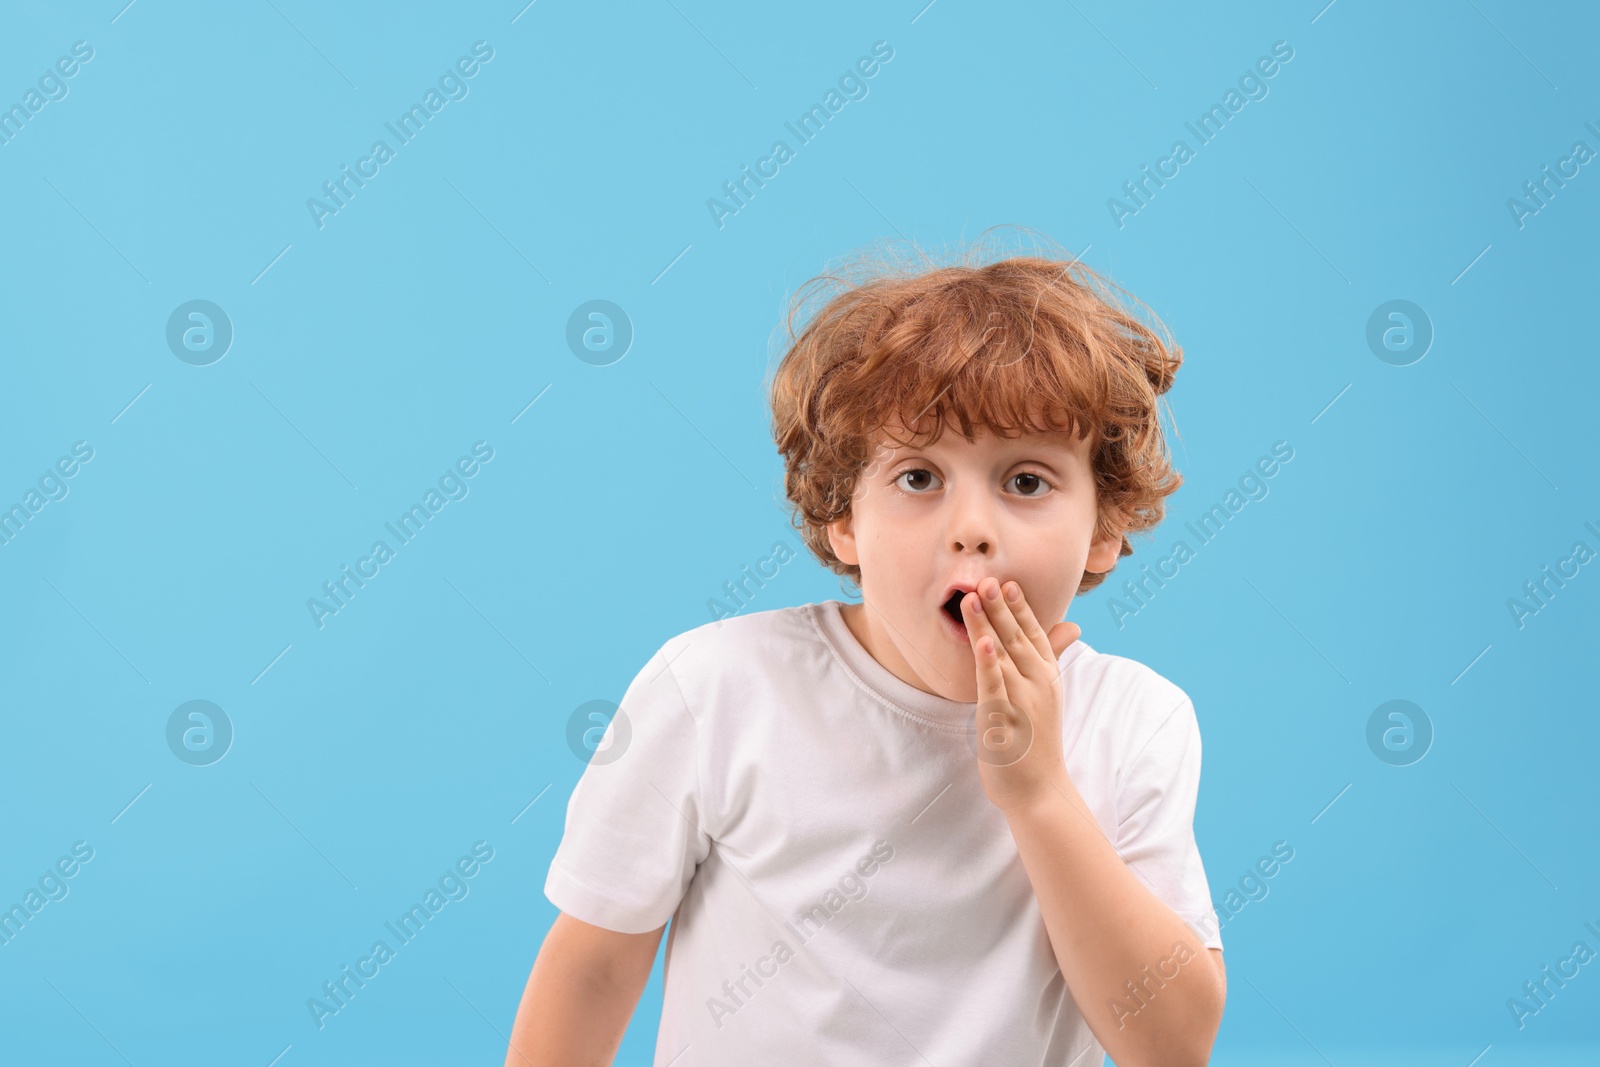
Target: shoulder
<point>752,630</point>
<point>1125,697</point>
<point>758,641</point>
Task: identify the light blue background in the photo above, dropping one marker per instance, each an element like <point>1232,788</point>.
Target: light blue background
<point>428,314</point>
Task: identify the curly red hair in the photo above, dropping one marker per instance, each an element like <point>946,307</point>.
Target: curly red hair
<point>1022,344</point>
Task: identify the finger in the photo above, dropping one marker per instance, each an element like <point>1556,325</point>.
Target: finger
<point>1022,650</point>
<point>1026,620</point>
<point>1005,728</point>
<point>986,651</point>
<point>1062,634</point>
<point>983,637</point>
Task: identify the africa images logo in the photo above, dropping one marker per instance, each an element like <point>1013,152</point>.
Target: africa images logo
<point>852,86</point>
<point>452,86</point>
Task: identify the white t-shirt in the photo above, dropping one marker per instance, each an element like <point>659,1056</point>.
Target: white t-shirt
<point>842,890</point>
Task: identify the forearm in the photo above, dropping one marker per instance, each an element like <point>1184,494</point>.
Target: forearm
<point>569,1017</point>
<point>1115,941</point>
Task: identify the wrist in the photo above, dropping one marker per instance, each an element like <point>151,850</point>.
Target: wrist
<point>1052,794</point>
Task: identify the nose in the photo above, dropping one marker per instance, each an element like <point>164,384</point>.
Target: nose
<point>972,524</point>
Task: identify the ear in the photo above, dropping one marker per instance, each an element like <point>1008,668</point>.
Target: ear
<point>841,536</point>
<point>1104,552</point>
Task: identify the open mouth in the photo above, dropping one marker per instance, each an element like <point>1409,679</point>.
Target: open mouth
<point>952,611</point>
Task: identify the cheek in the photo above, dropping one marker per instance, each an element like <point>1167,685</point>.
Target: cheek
<point>1051,568</point>
<point>883,525</point>
<point>1048,596</point>
<point>895,557</point>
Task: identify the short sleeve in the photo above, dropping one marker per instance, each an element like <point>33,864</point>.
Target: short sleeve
<point>1155,821</point>
<point>634,831</point>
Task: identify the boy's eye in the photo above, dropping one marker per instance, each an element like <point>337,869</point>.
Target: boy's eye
<point>1031,484</point>
<point>925,476</point>
<point>922,480</point>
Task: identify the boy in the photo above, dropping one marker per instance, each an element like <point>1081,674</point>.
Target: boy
<point>931,827</point>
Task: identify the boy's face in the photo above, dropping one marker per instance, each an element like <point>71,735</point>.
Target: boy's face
<point>925,520</point>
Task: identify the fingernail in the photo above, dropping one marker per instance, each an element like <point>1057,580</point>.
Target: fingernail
<point>1013,592</point>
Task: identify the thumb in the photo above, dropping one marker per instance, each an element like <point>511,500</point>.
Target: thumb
<point>1061,635</point>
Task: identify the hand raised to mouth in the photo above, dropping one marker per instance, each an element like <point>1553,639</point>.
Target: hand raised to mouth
<point>1020,694</point>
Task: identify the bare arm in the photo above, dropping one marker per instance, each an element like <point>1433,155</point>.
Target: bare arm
<point>580,995</point>
<point>1148,988</point>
